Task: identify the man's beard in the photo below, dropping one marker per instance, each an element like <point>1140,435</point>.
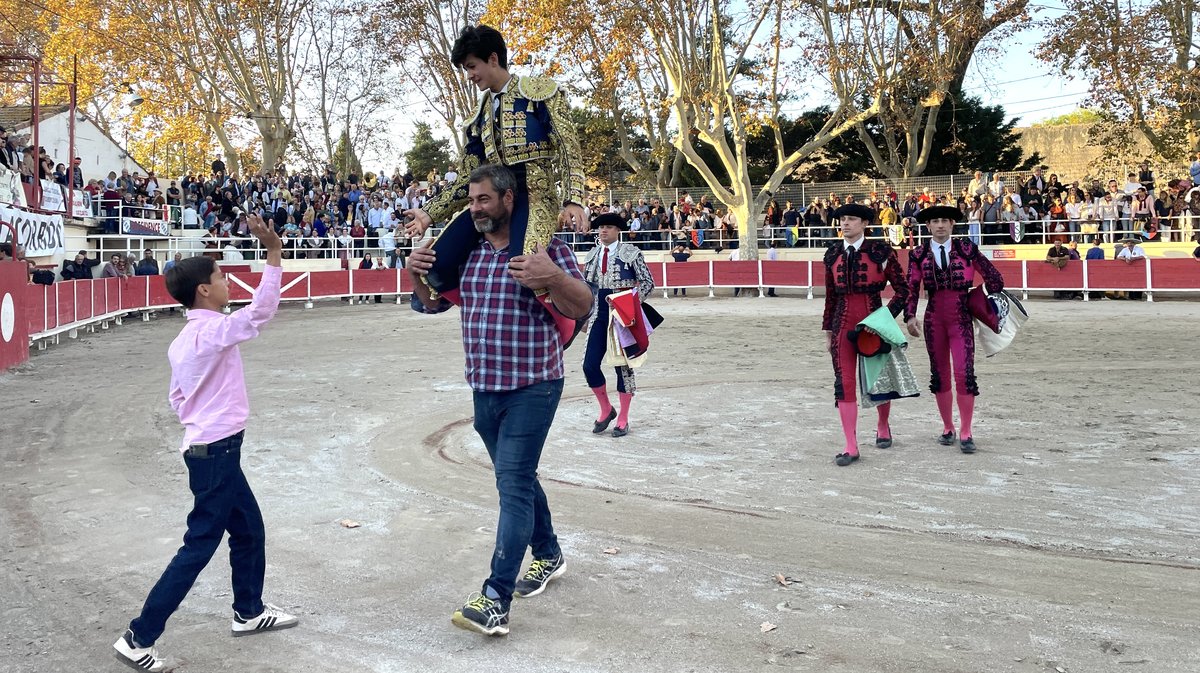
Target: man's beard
<point>488,225</point>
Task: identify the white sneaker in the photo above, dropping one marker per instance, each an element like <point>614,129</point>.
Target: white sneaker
<point>271,619</point>
<point>139,658</point>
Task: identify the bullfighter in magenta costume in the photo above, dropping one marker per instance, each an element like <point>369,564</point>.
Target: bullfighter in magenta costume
<point>949,268</point>
<point>856,272</point>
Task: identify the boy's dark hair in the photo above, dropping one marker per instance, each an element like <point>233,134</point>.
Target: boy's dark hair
<point>481,42</point>
<point>187,275</point>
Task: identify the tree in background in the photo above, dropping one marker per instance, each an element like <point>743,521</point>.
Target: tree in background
<point>968,136</point>
<point>422,34</point>
<point>349,80</point>
<point>1080,116</point>
<point>427,153</point>
<point>916,57</point>
<point>1140,58</point>
<point>601,147</point>
<point>603,50</point>
<point>344,159</point>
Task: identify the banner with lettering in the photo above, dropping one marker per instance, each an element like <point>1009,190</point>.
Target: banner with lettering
<point>80,204</point>
<point>52,197</point>
<point>137,226</point>
<point>40,235</point>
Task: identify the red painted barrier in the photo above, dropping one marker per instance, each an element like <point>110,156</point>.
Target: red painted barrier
<point>330,283</point>
<point>65,302</point>
<point>158,292</point>
<point>14,317</point>
<point>657,272</point>
<point>406,281</point>
<point>133,292</point>
<point>375,281</point>
<point>736,274</point>
<point>36,314</point>
<point>1175,274</point>
<point>1111,274</point>
<point>785,274</point>
<point>1040,275</point>
<point>294,285</point>
<point>1010,269</point>
<point>686,274</point>
<point>112,295</point>
<point>241,284</point>
<point>83,299</point>
<point>39,310</point>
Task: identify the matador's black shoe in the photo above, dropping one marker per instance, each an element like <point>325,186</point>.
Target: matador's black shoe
<point>844,459</point>
<point>620,432</point>
<point>947,439</point>
<point>967,445</point>
<point>883,442</point>
<point>601,426</point>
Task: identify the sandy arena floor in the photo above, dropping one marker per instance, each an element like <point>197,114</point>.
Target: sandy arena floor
<point>1069,543</point>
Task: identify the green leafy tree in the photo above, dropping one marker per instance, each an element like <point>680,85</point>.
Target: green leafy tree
<point>345,159</point>
<point>427,153</point>
<point>974,136</point>
<point>1080,116</point>
<point>1142,60</point>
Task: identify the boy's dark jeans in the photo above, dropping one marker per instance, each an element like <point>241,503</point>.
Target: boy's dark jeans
<point>223,502</point>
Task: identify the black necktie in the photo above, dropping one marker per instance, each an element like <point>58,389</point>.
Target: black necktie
<point>945,262</point>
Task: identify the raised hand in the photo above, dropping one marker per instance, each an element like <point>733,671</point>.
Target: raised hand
<point>418,222</point>
<point>265,233</point>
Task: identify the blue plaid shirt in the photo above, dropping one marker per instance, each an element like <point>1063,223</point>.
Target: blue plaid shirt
<point>509,339</point>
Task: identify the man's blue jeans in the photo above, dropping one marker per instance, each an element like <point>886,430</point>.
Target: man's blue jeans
<point>223,502</point>
<point>513,425</point>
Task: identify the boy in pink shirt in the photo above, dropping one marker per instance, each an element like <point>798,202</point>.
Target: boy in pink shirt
<point>208,392</point>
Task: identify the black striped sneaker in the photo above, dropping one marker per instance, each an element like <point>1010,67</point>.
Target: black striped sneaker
<point>271,619</point>
<point>138,658</point>
<point>540,572</point>
<point>482,615</point>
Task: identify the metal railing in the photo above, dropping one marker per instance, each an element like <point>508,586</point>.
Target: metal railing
<point>242,249</point>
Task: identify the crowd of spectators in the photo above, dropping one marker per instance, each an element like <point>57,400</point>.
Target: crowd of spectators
<point>323,214</point>
<point>318,215</point>
<point>1034,208</point>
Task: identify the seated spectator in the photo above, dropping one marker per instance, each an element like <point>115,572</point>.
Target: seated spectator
<point>79,268</point>
<point>1058,255</point>
<point>1132,251</point>
<point>230,253</point>
<point>147,266</point>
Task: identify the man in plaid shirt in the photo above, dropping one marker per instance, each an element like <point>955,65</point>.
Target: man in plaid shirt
<point>515,368</point>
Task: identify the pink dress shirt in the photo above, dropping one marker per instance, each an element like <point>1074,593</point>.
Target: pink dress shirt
<point>208,388</point>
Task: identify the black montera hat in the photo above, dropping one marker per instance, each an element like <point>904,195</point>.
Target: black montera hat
<point>610,220</point>
<point>855,210</point>
<point>950,212</point>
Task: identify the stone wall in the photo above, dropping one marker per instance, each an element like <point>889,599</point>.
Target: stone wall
<point>1065,150</point>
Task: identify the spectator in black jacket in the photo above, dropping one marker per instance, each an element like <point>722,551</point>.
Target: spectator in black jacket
<point>79,268</point>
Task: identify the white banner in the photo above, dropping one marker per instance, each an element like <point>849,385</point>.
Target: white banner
<point>52,197</point>
<point>138,226</point>
<point>79,204</point>
<point>40,235</point>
